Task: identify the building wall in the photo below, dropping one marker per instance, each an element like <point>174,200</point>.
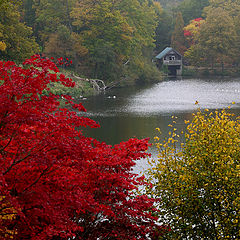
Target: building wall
<point>172,57</point>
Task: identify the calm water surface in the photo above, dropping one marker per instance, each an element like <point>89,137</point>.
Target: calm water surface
<point>138,111</point>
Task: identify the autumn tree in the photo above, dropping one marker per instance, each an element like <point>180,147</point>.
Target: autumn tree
<point>113,32</point>
<point>217,37</point>
<point>217,40</point>
<point>197,179</point>
<point>194,53</point>
<point>56,32</point>
<point>191,31</point>
<point>56,183</point>
<point>3,46</point>
<point>178,39</point>
<point>100,37</point>
<point>105,33</point>
<point>231,8</point>
<point>15,35</point>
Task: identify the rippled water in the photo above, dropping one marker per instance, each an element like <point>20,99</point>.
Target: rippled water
<point>180,96</point>
<point>136,112</point>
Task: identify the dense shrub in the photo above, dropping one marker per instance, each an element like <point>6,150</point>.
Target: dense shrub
<point>198,180</point>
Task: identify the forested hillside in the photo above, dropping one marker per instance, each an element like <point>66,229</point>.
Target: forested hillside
<point>104,39</point>
<point>117,40</point>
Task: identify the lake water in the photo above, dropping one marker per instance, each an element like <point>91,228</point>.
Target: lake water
<point>137,111</point>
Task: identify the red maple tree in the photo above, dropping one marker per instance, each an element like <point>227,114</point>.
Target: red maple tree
<point>192,29</point>
<point>56,183</point>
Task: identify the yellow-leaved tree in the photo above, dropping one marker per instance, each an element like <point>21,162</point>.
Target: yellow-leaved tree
<point>7,214</point>
<point>198,179</point>
<point>3,46</point>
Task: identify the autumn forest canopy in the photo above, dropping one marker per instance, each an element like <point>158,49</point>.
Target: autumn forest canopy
<point>117,40</point>
<point>99,37</point>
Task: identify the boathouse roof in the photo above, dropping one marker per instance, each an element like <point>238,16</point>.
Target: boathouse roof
<point>165,52</point>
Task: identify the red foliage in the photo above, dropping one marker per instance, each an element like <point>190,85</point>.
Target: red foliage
<point>196,23</point>
<point>61,183</point>
<point>63,62</point>
<point>187,33</point>
<point>198,19</point>
<point>192,29</point>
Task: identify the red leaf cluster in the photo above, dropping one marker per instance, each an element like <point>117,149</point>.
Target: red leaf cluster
<point>63,62</point>
<point>187,33</point>
<point>56,183</point>
<point>196,23</point>
<point>198,19</point>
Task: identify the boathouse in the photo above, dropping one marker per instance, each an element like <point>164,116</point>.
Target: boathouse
<point>172,59</point>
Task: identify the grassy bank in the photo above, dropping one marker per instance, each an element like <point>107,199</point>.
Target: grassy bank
<point>81,89</point>
<point>148,74</point>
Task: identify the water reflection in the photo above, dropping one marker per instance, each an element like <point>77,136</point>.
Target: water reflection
<point>136,112</point>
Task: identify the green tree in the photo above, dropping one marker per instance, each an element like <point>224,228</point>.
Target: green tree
<point>105,33</point>
<point>100,36</point>
<point>16,35</point>
<point>232,8</point>
<point>192,9</point>
<point>119,29</point>
<point>50,14</point>
<point>198,181</point>
<point>28,16</point>
<point>215,40</point>
<point>229,5</point>
<point>218,37</point>
<point>28,12</point>
<point>178,39</point>
<point>194,55</point>
<point>170,3</point>
<point>163,31</point>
